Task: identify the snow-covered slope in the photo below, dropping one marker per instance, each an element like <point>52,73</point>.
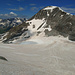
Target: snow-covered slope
<point>57,58</point>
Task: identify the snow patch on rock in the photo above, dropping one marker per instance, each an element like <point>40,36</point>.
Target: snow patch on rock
<point>36,22</point>
<point>47,14</point>
<point>50,8</point>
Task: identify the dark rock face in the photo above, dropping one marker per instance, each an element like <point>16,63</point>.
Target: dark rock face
<point>3,58</point>
<point>61,22</point>
<point>72,34</point>
<point>72,37</point>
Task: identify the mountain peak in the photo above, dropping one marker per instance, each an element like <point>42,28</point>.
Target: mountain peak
<point>50,21</point>
<point>50,7</point>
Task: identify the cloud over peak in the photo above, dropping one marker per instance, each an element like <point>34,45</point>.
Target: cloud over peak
<point>12,13</point>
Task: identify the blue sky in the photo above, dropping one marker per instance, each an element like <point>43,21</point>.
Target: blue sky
<point>28,8</point>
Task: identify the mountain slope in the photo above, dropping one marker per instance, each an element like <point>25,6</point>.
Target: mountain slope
<point>53,21</point>
<point>15,32</point>
<point>54,18</point>
<point>50,21</point>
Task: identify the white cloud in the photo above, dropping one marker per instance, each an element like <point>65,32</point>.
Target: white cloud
<point>69,10</point>
<point>34,9</point>
<point>18,9</point>
<point>10,15</point>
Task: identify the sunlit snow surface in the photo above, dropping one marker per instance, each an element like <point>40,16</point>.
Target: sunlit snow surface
<point>55,58</point>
